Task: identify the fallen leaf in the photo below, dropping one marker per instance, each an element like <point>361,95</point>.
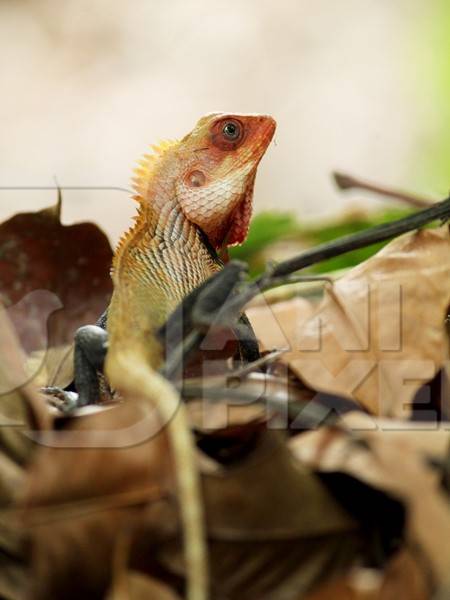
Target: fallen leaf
<point>53,278</point>
<point>21,410</point>
<point>274,323</point>
<point>402,579</point>
<point>136,586</point>
<point>21,414</point>
<point>100,475</point>
<point>379,334</point>
<point>52,367</point>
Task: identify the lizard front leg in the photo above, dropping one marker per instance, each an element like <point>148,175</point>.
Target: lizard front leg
<point>91,344</point>
<point>90,347</point>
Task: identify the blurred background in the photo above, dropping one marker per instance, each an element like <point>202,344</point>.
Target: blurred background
<point>357,85</point>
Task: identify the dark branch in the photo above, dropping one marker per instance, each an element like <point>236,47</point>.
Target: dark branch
<point>209,310</point>
<point>362,239</point>
<point>379,233</point>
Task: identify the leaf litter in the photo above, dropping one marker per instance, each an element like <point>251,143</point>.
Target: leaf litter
<point>284,520</point>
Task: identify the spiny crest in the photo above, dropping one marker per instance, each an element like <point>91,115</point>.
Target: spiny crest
<point>144,173</point>
<point>125,238</point>
<point>146,169</point>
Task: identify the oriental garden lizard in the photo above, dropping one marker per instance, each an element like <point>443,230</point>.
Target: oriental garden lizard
<point>194,199</point>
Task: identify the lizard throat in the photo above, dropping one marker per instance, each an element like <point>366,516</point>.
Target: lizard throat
<point>240,222</point>
<point>235,229</point>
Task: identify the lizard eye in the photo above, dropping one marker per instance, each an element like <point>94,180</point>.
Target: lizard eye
<point>227,134</point>
<point>231,130</point>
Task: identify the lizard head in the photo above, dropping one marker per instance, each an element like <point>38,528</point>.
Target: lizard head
<point>215,187</point>
<point>210,173</point>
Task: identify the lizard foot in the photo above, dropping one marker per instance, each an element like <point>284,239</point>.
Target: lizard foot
<point>61,399</point>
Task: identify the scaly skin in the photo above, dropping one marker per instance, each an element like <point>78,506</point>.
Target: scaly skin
<point>203,183</point>
<point>195,197</point>
<point>199,187</point>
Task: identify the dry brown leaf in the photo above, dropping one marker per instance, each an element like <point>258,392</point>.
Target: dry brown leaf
<point>136,586</point>
<point>272,526</point>
<point>379,333</point>
<point>22,410</point>
<point>395,463</point>
<point>52,367</point>
<point>105,472</point>
<point>274,530</point>
<point>209,416</point>
<point>262,471</point>
<point>128,584</point>
<point>22,413</point>
<point>275,324</point>
<point>402,579</point>
<point>53,278</point>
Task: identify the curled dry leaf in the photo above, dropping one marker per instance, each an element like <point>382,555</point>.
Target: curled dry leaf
<point>21,414</point>
<point>53,278</point>
<point>379,334</point>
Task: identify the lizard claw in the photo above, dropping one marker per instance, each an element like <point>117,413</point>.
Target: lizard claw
<point>61,399</point>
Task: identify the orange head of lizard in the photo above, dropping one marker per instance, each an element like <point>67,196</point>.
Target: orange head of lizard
<point>209,173</point>
<point>219,161</point>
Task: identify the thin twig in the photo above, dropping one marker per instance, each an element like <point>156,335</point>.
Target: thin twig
<point>293,279</point>
<point>256,364</point>
<point>347,182</point>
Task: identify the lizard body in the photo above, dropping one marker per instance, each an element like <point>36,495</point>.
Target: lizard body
<point>201,186</point>
<point>195,197</point>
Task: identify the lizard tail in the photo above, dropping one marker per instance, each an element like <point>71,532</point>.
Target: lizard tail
<point>135,377</point>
